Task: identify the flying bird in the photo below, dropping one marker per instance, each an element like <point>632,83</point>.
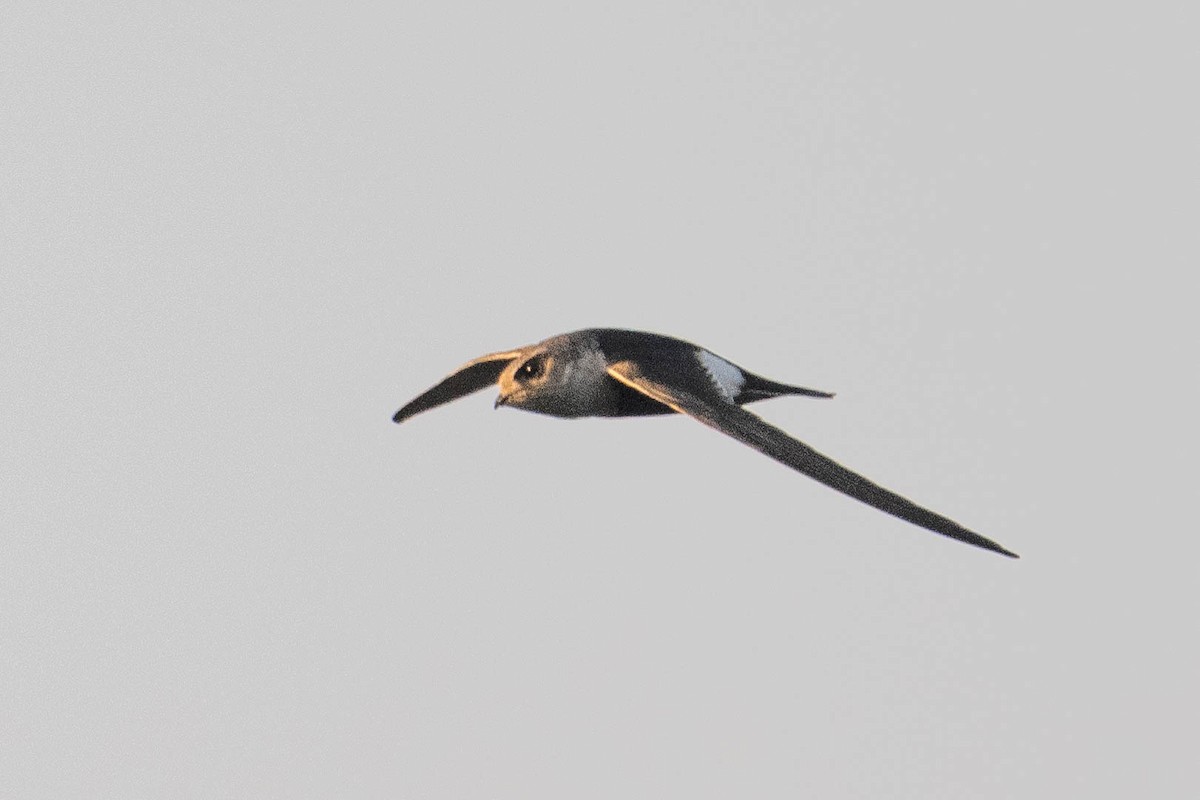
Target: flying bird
<point>606,372</point>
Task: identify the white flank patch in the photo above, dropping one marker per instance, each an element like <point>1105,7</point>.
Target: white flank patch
<point>725,376</point>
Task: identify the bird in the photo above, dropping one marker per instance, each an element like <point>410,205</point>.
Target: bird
<point>611,372</point>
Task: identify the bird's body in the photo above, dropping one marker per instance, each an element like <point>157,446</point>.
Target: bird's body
<point>580,385</point>
<point>607,372</point>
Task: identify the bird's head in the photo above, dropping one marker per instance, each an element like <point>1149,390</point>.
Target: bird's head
<point>555,377</point>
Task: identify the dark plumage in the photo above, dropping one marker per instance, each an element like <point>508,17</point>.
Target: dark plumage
<point>607,372</point>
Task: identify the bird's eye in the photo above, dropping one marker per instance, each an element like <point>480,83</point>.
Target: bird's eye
<point>530,369</point>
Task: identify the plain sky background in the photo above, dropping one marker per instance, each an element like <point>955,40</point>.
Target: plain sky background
<point>236,237</point>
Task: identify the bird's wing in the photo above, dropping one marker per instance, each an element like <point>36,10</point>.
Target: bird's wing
<point>690,394</point>
<point>470,377</point>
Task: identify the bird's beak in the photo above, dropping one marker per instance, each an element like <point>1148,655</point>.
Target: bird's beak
<point>501,400</point>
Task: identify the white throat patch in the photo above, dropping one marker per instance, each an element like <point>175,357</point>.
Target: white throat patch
<point>725,376</point>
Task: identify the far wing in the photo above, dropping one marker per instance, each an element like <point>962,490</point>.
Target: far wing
<point>470,377</point>
<point>749,429</point>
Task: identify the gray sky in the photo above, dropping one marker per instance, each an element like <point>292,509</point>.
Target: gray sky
<point>234,240</point>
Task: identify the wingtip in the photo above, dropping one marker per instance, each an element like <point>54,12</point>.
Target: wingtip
<point>995,548</point>
<point>399,417</point>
